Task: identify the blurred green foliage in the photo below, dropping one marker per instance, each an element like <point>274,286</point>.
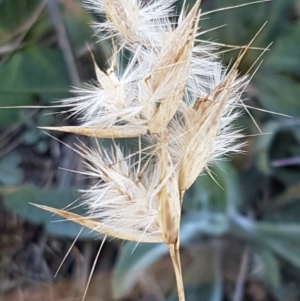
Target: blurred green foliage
<point>20,199</point>
<point>259,202</point>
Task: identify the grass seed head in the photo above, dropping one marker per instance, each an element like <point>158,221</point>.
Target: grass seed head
<point>177,96</point>
<point>173,92</point>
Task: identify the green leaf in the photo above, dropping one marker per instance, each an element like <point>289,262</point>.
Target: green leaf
<point>30,73</point>
<point>285,207</point>
<point>78,27</point>
<point>278,79</point>
<point>268,269</point>
<point>12,14</point>
<point>18,200</point>
<point>280,146</point>
<point>282,239</point>
<point>31,137</point>
<point>284,56</point>
<point>10,173</point>
<point>218,194</point>
<point>278,92</point>
<point>241,23</point>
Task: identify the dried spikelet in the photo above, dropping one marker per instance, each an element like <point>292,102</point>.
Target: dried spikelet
<point>145,83</point>
<point>103,229</point>
<point>112,100</point>
<point>200,130</point>
<point>178,97</point>
<point>134,22</point>
<point>122,188</point>
<point>173,68</point>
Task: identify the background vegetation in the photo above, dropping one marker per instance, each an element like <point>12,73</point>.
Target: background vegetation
<point>241,242</point>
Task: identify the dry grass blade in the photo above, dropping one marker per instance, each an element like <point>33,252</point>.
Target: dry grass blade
<point>136,236</point>
<point>111,132</point>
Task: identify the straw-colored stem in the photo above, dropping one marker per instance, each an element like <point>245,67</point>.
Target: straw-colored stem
<point>175,256</point>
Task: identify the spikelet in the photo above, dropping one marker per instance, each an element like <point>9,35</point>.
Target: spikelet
<point>176,97</point>
<point>134,22</point>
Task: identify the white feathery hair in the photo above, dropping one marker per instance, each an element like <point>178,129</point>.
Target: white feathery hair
<point>133,22</point>
<point>173,91</point>
<point>121,187</point>
<point>174,94</point>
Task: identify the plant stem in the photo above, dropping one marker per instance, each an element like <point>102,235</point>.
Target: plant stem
<point>175,256</point>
